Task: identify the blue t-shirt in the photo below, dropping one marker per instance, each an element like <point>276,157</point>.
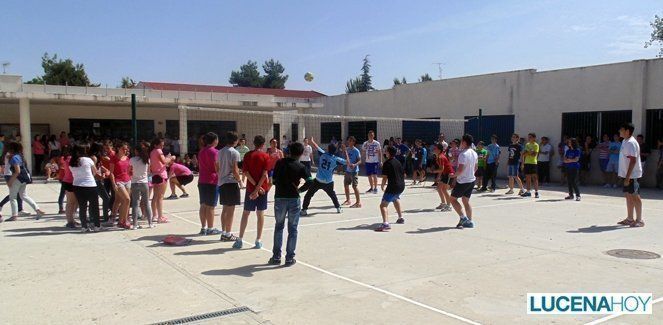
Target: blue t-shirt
<point>494,151</point>
<point>403,149</point>
<point>572,154</point>
<point>424,155</point>
<point>16,161</point>
<point>327,166</point>
<point>615,146</point>
<point>354,154</point>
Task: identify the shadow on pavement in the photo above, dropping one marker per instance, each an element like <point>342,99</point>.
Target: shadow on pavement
<point>244,271</point>
<point>419,210</point>
<point>364,226</point>
<point>596,229</point>
<point>42,231</point>
<point>429,230</point>
<point>510,198</point>
<point>551,200</point>
<point>215,251</point>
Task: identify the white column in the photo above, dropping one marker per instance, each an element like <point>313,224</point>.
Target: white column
<point>184,138</point>
<point>639,95</point>
<point>301,124</point>
<point>26,132</point>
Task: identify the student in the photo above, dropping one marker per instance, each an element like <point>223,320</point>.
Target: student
<point>324,178</point>
<point>467,165</point>
<point>352,172</point>
<point>288,173</point>
<point>514,164</point>
<point>254,168</point>
<point>561,150</point>
<point>68,185</point>
<point>630,170</point>
<point>546,153</point>
<point>645,151</point>
<point>530,155</point>
<point>242,148</point>
<point>121,180</point>
<point>17,178</point>
<point>39,150</point>
<point>659,171</point>
<point>229,184</point>
<point>85,188</point>
<point>572,162</point>
<point>158,163</point>
<point>613,162</point>
<point>51,169</point>
<point>307,157</point>
<point>444,173</point>
<point>96,154</point>
<point>54,146</point>
<point>482,155</point>
<point>604,158</point>
<point>493,161</point>
<point>207,180</point>
<point>392,177</point>
<point>107,155</point>
<point>274,154</point>
<point>401,151</point>
<point>417,158</point>
<point>179,176</point>
<point>139,165</point>
<point>586,158</point>
<point>373,153</point>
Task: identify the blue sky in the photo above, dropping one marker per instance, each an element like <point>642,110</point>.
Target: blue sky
<point>202,41</point>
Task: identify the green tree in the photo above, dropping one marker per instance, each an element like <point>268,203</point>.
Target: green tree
<point>425,77</point>
<point>274,77</point>
<point>247,76</point>
<point>656,34</point>
<point>404,81</point>
<point>62,72</point>
<point>366,83</point>
<point>397,81</point>
<point>352,86</point>
<point>127,83</point>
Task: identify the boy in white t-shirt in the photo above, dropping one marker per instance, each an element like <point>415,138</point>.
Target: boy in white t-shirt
<point>373,153</point>
<point>467,166</point>
<point>630,170</point>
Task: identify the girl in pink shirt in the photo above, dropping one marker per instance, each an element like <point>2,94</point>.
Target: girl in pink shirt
<point>158,163</point>
<point>121,180</point>
<point>68,184</point>
<point>179,176</point>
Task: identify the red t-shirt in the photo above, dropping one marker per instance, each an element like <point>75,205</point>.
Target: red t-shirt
<point>206,165</point>
<point>68,177</point>
<point>256,163</point>
<point>121,169</point>
<point>443,161</point>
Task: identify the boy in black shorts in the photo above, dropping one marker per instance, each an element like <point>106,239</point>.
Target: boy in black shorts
<point>467,165</point>
<point>392,172</point>
<point>229,184</point>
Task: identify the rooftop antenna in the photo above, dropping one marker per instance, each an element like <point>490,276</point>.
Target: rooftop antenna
<point>4,67</point>
<point>439,69</point>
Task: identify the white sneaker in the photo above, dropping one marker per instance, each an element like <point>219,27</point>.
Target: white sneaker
<point>23,214</point>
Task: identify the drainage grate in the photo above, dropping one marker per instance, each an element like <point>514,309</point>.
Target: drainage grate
<point>204,317</point>
<point>633,254</point>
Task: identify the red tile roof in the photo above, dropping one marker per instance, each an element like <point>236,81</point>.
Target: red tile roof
<point>231,90</point>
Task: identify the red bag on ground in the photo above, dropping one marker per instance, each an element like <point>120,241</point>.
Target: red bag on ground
<point>172,240</point>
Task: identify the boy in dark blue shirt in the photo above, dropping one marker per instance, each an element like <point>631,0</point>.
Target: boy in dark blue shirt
<point>324,178</point>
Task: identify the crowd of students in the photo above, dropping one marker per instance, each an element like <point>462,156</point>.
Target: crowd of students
<point>136,181</point>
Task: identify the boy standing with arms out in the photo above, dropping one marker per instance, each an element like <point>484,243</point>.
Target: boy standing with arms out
<point>467,165</point>
<point>493,162</point>
<point>630,170</point>
<point>229,184</point>
<point>514,164</point>
<point>324,178</point>
<point>444,173</point>
<point>482,154</point>
<point>373,153</point>
<point>351,172</point>
<point>392,173</point>
<point>531,153</point>
<point>255,167</point>
<point>288,172</point>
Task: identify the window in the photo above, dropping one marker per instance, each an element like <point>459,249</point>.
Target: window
<point>595,124</point>
<point>197,128</point>
<point>654,127</point>
<point>329,131</point>
<point>427,131</point>
<point>249,103</point>
<point>359,130</point>
<point>120,129</point>
<point>294,132</point>
<point>500,125</point>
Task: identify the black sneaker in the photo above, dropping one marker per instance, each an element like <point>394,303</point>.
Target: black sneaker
<point>70,225</point>
<point>400,221</point>
<point>536,194</point>
<point>290,262</point>
<point>274,261</point>
<point>461,222</point>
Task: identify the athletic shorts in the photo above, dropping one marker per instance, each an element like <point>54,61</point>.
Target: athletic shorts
<point>209,194</point>
<point>530,169</point>
<point>69,187</point>
<point>239,165</point>
<point>444,179</point>
<point>371,169</point>
<point>270,173</point>
<point>259,204</point>
<point>463,190</point>
<point>184,179</point>
<point>603,163</point>
<point>126,185</point>
<point>480,171</point>
<point>229,194</point>
<point>350,178</point>
<point>391,197</point>
<point>632,188</point>
<point>157,179</point>
<point>612,166</point>
<point>513,170</point>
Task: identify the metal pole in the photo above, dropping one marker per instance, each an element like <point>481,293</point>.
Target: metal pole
<point>134,124</point>
<point>480,125</point>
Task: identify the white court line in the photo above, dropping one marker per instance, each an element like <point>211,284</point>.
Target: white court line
<point>609,317</point>
<point>365,285</point>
